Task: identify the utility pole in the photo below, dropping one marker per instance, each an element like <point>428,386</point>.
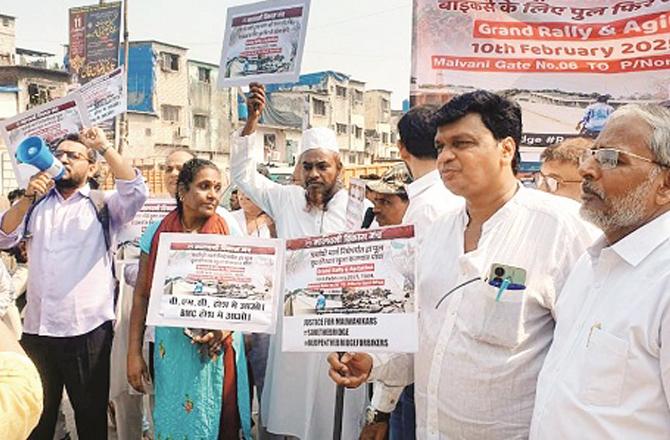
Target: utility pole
<point>126,44</point>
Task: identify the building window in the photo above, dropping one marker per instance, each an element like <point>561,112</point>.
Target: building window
<point>386,104</point>
<point>352,158</point>
<point>204,74</point>
<point>38,94</point>
<point>385,138</point>
<point>358,132</point>
<point>341,91</point>
<point>341,128</point>
<point>170,113</point>
<point>319,107</point>
<point>170,61</point>
<point>394,138</point>
<point>200,121</point>
<point>5,21</point>
<point>358,96</point>
<point>147,132</point>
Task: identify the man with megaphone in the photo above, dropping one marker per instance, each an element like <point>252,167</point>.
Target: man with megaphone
<point>70,302</point>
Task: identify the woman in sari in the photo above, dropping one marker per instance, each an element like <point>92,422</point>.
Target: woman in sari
<point>201,382</point>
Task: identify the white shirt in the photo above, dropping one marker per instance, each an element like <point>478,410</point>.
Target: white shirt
<point>607,374</point>
<point>298,396</point>
<point>70,282</point>
<point>262,230</point>
<point>478,359</point>
<point>429,199</point>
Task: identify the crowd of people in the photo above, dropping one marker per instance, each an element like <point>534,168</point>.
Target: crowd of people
<point>582,350</point>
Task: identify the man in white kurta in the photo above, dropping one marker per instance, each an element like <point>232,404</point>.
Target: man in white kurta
<point>480,347</point>
<point>298,398</point>
<point>607,374</point>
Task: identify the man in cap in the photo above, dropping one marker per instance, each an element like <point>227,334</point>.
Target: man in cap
<point>389,196</point>
<point>298,398</point>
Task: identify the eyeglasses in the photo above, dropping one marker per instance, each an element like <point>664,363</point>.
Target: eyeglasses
<point>608,158</point>
<point>71,155</point>
<point>551,182</point>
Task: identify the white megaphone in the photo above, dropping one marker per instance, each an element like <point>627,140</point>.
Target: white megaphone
<point>35,151</point>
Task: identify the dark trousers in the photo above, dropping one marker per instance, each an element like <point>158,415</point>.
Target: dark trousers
<point>81,364</point>
<point>403,419</point>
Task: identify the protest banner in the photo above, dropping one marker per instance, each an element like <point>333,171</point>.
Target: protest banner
<point>351,291</point>
<point>216,282</point>
<point>94,40</point>
<point>356,204</point>
<point>553,57</point>
<point>52,122</point>
<point>154,209</point>
<point>263,42</point>
<point>105,96</point>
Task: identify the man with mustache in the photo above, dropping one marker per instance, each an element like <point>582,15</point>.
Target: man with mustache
<point>607,374</point>
<point>487,284</point>
<point>67,329</point>
<point>297,398</point>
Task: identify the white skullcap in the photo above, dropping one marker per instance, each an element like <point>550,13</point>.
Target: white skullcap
<point>319,137</point>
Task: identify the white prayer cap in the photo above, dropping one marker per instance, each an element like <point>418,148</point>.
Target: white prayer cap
<point>319,137</point>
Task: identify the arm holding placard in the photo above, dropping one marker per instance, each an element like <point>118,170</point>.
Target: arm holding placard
<point>247,152</point>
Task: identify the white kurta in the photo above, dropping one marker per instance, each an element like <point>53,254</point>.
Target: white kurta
<point>607,374</point>
<point>298,396</point>
<point>429,200</point>
<point>478,359</point>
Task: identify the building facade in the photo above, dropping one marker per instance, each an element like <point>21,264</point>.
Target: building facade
<point>380,130</point>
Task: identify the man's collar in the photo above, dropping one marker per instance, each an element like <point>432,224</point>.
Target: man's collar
<point>639,244</point>
<point>423,183</point>
<point>85,191</point>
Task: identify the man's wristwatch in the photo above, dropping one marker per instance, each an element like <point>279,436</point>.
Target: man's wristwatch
<point>375,416</point>
<point>103,150</point>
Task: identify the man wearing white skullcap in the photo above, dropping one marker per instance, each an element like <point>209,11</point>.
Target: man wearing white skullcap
<point>298,399</point>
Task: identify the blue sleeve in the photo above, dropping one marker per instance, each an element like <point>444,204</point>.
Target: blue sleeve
<point>148,236</point>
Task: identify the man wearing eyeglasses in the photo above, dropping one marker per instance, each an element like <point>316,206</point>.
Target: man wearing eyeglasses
<point>67,330</point>
<point>607,374</point>
<point>487,284</point>
<point>558,174</point>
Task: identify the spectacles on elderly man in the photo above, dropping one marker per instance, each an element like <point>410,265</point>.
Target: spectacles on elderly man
<point>608,158</point>
<point>550,182</point>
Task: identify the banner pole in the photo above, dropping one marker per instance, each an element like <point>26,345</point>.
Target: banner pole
<point>126,43</point>
<point>339,409</point>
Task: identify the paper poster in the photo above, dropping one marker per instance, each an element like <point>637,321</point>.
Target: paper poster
<point>263,42</point>
<point>95,32</point>
<point>128,238</point>
<point>105,96</point>
<point>52,121</point>
<point>213,281</point>
<point>356,204</point>
<point>351,291</point>
<point>554,57</point>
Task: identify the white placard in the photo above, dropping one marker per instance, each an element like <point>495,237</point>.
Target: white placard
<point>52,122</point>
<point>105,96</point>
<point>263,42</point>
<point>216,282</point>
<point>154,209</point>
<point>351,291</point>
<point>356,204</point>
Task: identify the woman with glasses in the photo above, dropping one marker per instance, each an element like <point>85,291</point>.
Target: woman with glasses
<point>196,373</point>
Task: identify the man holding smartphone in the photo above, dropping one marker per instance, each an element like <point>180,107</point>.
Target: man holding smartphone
<point>487,284</point>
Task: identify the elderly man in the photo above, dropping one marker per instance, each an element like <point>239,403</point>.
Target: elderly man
<point>558,174</point>
<point>607,374</point>
<point>67,330</point>
<point>298,398</point>
<point>487,284</point>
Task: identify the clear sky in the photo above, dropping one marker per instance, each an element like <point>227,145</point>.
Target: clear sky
<point>367,39</point>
